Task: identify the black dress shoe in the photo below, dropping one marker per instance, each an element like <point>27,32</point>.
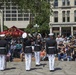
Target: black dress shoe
<point>1,70</point>
<point>51,70</point>
<point>27,70</point>
<point>37,65</point>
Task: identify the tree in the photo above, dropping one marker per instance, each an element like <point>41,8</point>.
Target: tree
<point>4,27</point>
<point>42,15</point>
<point>40,8</point>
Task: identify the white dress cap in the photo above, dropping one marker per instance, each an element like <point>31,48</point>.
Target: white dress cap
<point>2,35</point>
<point>51,34</point>
<point>24,35</point>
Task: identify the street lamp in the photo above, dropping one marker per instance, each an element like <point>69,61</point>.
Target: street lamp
<point>36,26</point>
<point>51,7</point>
<point>1,20</point>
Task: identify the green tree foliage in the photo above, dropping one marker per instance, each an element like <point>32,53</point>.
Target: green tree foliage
<point>41,10</point>
<point>5,27</point>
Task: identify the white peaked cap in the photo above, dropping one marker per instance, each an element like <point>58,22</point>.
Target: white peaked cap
<point>51,34</point>
<point>39,34</point>
<point>24,35</point>
<point>2,35</point>
<point>29,35</point>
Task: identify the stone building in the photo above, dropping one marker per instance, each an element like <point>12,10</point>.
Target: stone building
<point>63,19</point>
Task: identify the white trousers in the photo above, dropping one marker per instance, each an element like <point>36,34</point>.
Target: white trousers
<point>37,57</point>
<point>28,61</point>
<point>51,58</point>
<point>2,62</point>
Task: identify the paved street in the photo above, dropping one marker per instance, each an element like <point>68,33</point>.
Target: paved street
<point>61,68</point>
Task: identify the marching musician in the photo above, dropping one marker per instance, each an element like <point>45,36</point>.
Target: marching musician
<point>27,48</point>
<point>3,52</point>
<point>51,47</point>
<point>37,49</point>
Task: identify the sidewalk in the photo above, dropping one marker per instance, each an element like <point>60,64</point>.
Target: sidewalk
<point>61,68</point>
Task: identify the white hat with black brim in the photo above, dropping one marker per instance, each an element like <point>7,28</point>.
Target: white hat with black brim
<point>51,34</point>
<point>2,35</point>
<point>24,35</point>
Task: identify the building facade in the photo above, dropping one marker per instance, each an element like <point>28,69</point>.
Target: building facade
<point>63,20</point>
<point>12,15</point>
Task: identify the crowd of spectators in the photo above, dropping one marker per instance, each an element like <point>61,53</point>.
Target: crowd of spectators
<point>14,48</point>
<point>66,48</point>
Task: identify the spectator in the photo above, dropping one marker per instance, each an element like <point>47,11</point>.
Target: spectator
<point>65,40</point>
<point>8,56</point>
<point>58,39</point>
<point>18,49</point>
<point>43,54</point>
<point>61,51</point>
<point>69,53</point>
<point>12,49</point>
<point>74,54</point>
<point>22,56</point>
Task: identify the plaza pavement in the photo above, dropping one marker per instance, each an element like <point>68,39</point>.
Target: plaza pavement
<point>61,68</point>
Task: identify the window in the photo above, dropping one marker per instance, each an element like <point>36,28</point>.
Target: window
<point>55,3</point>
<point>14,19</point>
<point>14,8</point>
<point>63,15</point>
<point>26,19</point>
<point>14,15</point>
<point>75,16</point>
<point>8,15</point>
<point>74,2</point>
<point>65,2</point>
<point>13,4</point>
<point>13,11</point>
<point>26,15</point>
<point>19,11</point>
<point>68,16</point>
<point>7,4</point>
<point>7,8</point>
<point>55,16</point>
<point>68,2</point>
<point>7,11</point>
<point>20,15</point>
<point>8,19</point>
<point>55,28</point>
<point>20,19</point>
<point>1,7</point>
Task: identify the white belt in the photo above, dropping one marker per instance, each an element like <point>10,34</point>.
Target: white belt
<point>37,45</point>
<point>51,47</point>
<point>2,47</point>
<point>28,46</point>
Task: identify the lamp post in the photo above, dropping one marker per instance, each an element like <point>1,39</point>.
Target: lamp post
<point>1,20</point>
<point>36,26</point>
<point>51,7</point>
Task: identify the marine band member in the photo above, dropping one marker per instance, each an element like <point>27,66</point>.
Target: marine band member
<point>37,49</point>
<point>3,52</point>
<point>51,47</point>
<point>27,48</point>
